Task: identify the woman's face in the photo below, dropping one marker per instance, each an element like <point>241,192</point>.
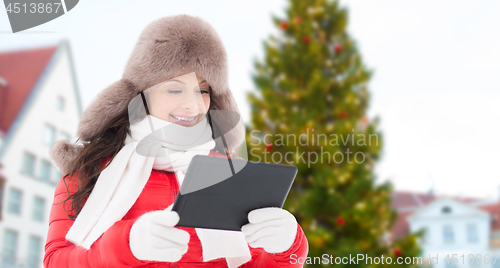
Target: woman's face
<point>183,100</point>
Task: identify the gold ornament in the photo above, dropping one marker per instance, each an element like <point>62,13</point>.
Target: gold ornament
<point>321,36</point>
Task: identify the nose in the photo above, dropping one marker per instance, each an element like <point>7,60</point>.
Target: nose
<point>189,102</point>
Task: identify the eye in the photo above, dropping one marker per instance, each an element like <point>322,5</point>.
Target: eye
<point>174,91</point>
<point>202,91</point>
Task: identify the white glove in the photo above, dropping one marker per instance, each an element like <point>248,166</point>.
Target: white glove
<point>153,237</point>
<point>271,228</point>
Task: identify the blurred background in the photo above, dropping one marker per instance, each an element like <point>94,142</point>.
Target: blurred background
<point>416,77</point>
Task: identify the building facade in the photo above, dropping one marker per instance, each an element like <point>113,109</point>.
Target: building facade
<point>39,104</point>
<point>458,232</point>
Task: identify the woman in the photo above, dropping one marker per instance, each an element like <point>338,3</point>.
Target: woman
<point>120,190</point>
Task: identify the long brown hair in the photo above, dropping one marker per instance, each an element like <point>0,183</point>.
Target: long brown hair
<point>109,142</point>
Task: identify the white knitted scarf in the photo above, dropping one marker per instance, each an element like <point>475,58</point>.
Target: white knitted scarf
<point>152,146</point>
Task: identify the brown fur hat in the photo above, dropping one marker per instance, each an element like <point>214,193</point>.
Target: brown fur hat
<point>167,47</point>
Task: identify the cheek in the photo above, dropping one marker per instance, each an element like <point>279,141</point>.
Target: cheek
<point>206,102</point>
<point>161,106</point>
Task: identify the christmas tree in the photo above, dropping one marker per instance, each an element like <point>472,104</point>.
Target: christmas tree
<point>310,110</point>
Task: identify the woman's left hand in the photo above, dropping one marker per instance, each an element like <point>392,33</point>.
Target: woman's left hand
<point>271,228</point>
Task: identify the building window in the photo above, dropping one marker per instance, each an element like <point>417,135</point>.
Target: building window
<point>425,236</point>
<point>448,236</point>
<point>495,234</point>
<point>34,248</point>
<point>57,176</point>
<point>49,135</point>
<point>474,262</point>
<point>450,264</point>
<point>495,263</point>
<point>28,166</point>
<point>9,251</point>
<point>38,208</point>
<point>15,198</point>
<point>471,233</point>
<point>60,103</point>
<point>446,210</point>
<point>45,170</point>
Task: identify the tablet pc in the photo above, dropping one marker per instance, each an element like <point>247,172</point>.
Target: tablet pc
<point>219,192</point>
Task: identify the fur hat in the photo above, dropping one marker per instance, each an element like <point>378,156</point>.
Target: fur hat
<point>168,47</point>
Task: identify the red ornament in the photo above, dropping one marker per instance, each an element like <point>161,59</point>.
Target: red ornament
<point>338,48</point>
<point>306,39</point>
<point>365,120</point>
<point>283,25</point>
<point>340,221</point>
<point>269,147</point>
<point>397,251</point>
<point>343,114</point>
<point>298,19</point>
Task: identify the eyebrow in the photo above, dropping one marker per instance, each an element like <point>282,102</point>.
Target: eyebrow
<point>182,82</point>
<point>175,80</point>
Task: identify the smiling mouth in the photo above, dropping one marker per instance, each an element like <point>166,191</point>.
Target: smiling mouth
<point>187,119</point>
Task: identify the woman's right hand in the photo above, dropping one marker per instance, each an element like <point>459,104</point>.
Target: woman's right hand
<point>153,237</point>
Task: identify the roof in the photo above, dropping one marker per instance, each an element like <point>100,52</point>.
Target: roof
<point>401,226</point>
<point>405,199</point>
<point>494,211</point>
<point>20,69</point>
<point>25,72</point>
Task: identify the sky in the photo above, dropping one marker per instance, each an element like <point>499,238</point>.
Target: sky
<point>434,85</point>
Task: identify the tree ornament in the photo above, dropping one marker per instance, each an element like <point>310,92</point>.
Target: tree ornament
<point>329,126</point>
<point>298,20</point>
<point>338,48</point>
<point>343,114</point>
<point>365,120</point>
<point>397,251</point>
<point>269,147</point>
<point>283,25</point>
<point>325,71</point>
<point>306,39</point>
<point>325,23</point>
<point>340,78</point>
<point>340,221</point>
<point>321,36</point>
<point>310,10</point>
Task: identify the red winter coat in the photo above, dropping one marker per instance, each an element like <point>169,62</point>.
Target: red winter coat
<point>112,248</point>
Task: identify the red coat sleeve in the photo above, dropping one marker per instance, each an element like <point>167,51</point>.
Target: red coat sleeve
<point>110,250</point>
<point>289,258</point>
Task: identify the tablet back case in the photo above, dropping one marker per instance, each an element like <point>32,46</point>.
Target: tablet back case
<point>211,197</point>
